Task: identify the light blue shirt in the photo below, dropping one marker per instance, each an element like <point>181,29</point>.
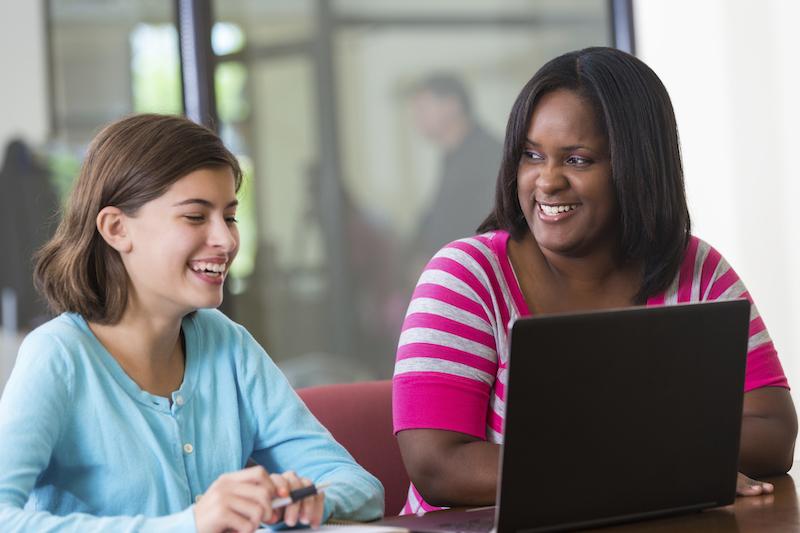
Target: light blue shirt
<point>83,448</point>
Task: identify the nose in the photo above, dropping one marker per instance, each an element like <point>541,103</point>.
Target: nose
<point>223,236</point>
<point>551,179</point>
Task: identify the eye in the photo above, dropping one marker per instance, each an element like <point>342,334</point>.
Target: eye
<point>578,161</point>
<point>194,218</point>
<point>231,219</point>
<point>532,156</point>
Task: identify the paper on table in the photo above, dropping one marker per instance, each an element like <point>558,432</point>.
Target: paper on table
<point>350,528</point>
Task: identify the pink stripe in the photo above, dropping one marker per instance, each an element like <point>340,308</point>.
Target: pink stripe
<point>723,283</point>
<point>746,296</point>
<point>495,422</point>
<point>500,247</point>
<point>709,266</point>
<point>764,369</point>
<point>460,272</point>
<point>657,299</point>
<point>448,325</point>
<point>500,389</point>
<point>419,349</point>
<point>687,272</point>
<point>756,326</point>
<point>451,297</point>
<point>435,400</point>
<point>483,261</point>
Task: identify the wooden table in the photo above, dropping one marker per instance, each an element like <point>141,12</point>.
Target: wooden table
<point>778,512</point>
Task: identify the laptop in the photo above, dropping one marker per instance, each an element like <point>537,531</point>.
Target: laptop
<point>615,416</point>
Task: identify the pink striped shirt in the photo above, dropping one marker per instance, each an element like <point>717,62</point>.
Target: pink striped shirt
<point>452,356</point>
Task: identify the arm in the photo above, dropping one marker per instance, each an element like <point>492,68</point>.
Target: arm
<point>445,374</point>
<point>289,438</point>
<point>450,468</point>
<point>769,429</point>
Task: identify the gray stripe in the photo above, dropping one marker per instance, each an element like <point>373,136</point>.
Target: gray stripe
<point>430,364</point>
<point>762,337</point>
<point>449,281</point>
<point>444,309</point>
<point>433,336</point>
<point>703,249</point>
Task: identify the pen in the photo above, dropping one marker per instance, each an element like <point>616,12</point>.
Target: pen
<point>299,494</point>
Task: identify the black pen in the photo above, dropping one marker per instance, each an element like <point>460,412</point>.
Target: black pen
<point>299,494</point>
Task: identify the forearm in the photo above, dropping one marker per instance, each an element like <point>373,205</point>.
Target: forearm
<point>16,519</point>
<point>767,446</point>
<point>463,474</point>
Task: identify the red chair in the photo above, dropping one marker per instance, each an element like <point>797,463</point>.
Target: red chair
<point>359,416</point>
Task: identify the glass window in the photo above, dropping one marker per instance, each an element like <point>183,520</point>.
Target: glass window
<point>374,130</point>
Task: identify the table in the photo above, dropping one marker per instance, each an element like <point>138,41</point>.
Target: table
<point>778,512</point>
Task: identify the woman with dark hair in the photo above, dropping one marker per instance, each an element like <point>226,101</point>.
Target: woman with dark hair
<point>139,406</point>
<point>590,213</point>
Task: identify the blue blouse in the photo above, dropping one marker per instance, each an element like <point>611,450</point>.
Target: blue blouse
<point>83,448</point>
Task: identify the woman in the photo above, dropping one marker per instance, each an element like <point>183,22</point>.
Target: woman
<point>590,213</point>
<point>137,408</point>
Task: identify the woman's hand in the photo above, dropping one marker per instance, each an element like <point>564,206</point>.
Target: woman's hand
<point>238,502</point>
<point>746,486</point>
<point>307,511</point>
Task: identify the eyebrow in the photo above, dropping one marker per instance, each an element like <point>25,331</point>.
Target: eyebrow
<point>204,203</point>
<point>563,148</point>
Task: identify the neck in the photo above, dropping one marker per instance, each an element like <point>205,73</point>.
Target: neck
<point>147,346</point>
<point>594,280</point>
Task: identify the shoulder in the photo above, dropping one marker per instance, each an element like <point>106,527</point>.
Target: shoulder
<point>484,249</point>
<point>217,336</point>
<point>701,258</point>
<point>62,338</point>
<point>51,352</point>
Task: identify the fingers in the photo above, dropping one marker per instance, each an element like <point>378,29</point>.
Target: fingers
<point>746,486</point>
<point>317,504</point>
<point>285,483</point>
<point>237,501</point>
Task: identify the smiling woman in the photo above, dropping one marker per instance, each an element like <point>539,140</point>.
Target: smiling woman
<point>148,402</point>
<point>590,213</point>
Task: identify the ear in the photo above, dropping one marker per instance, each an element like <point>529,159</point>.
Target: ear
<point>111,225</point>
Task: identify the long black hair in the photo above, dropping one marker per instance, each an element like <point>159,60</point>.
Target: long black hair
<point>635,112</point>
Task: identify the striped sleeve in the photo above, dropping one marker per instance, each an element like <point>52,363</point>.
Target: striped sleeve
<point>447,355</point>
<point>707,276</point>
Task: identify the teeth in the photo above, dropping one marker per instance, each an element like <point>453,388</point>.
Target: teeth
<point>556,209</point>
<point>216,268</point>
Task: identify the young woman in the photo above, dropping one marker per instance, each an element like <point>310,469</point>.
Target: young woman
<point>138,407</point>
<point>590,213</point>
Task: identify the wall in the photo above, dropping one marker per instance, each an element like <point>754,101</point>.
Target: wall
<point>727,66</point>
<point>23,92</point>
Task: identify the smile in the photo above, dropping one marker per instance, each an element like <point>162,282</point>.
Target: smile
<point>210,269</point>
<point>552,210</point>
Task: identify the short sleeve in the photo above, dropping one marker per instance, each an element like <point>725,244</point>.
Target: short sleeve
<point>447,356</point>
<point>719,281</point>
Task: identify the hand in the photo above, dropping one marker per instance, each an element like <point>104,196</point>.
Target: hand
<point>237,502</point>
<point>308,510</point>
<point>746,486</point>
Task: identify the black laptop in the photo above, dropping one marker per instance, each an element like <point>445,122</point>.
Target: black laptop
<point>615,416</point>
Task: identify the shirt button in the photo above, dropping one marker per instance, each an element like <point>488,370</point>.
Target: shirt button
<point>179,400</point>
<point>188,448</point>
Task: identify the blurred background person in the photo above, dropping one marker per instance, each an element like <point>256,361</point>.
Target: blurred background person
<point>442,111</point>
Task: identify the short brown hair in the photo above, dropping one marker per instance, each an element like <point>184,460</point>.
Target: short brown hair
<point>129,163</point>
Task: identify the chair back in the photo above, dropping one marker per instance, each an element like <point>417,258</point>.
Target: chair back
<point>359,416</point>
